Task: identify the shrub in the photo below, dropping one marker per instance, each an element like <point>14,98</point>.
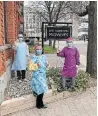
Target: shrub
<point>54,77</point>
<point>47,49</point>
<point>82,80</point>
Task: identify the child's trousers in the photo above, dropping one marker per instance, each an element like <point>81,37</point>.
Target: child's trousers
<point>64,81</point>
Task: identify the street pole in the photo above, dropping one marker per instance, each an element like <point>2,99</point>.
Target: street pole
<point>42,38</point>
<point>35,29</point>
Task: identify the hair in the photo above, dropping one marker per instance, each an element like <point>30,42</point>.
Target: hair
<point>38,46</point>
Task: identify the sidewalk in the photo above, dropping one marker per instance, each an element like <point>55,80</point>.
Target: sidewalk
<point>84,104</point>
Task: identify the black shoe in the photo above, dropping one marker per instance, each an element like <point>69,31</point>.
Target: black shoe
<point>72,89</point>
<point>44,106</point>
<point>38,107</point>
<point>65,88</point>
<point>23,77</point>
<point>19,78</point>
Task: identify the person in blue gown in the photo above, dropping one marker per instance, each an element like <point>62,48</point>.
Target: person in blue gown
<point>39,82</point>
<point>20,60</point>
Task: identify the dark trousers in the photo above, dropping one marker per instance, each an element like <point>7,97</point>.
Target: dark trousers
<point>21,74</point>
<point>39,101</point>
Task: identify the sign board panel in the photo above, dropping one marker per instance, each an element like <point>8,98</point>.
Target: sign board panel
<point>58,32</point>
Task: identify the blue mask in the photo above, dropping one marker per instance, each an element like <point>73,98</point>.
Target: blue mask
<point>38,52</point>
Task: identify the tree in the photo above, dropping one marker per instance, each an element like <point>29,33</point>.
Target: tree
<point>51,11</point>
<point>91,10</point>
<point>92,41</point>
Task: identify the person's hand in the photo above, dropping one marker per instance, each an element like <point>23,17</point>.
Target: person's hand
<point>77,66</point>
<point>58,50</point>
<point>38,64</point>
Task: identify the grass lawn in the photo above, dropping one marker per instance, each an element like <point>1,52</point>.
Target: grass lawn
<point>47,49</point>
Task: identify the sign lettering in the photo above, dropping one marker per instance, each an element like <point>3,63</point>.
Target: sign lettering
<point>58,32</point>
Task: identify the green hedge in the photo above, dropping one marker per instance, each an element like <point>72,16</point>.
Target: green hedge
<point>47,49</point>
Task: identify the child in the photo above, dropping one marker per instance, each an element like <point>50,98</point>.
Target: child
<point>72,62</point>
<point>39,81</point>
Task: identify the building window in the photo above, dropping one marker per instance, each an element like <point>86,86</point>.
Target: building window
<point>5,22</point>
<point>30,21</point>
<point>21,28</point>
<point>83,30</point>
<point>33,18</point>
<point>30,26</point>
<point>27,26</point>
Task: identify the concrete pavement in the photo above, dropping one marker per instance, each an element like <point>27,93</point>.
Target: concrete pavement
<point>84,104</point>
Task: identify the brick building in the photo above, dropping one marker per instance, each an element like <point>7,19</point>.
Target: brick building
<point>11,18</point>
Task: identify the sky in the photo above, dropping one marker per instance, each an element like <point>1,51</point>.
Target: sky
<point>25,3</point>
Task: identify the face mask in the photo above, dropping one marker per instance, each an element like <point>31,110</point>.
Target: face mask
<point>38,52</point>
<point>20,39</point>
<point>69,44</point>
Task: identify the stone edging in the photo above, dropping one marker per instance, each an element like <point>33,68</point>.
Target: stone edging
<point>6,46</point>
<point>28,101</point>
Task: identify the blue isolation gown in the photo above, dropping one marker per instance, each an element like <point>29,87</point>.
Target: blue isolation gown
<point>39,82</point>
<point>20,61</point>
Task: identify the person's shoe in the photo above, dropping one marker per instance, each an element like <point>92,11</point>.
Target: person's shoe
<point>59,90</point>
<point>38,107</point>
<point>65,89</point>
<point>72,89</point>
<point>19,78</point>
<point>44,106</point>
<point>23,78</point>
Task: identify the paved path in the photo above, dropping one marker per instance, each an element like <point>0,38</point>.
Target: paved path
<point>84,104</point>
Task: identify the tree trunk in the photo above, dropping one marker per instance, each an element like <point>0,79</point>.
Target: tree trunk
<point>50,42</point>
<point>54,42</point>
<point>92,40</point>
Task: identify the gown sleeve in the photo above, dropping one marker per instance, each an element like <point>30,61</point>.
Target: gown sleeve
<point>61,53</point>
<point>33,58</point>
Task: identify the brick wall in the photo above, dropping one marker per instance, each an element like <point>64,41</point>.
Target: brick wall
<point>12,15</point>
<point>2,60</point>
<point>10,9</point>
<point>13,21</point>
<point>1,24</point>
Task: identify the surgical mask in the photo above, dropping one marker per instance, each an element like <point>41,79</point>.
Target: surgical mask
<point>38,52</point>
<point>70,44</point>
<point>20,39</point>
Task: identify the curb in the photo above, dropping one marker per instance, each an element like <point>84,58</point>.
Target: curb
<point>29,101</point>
